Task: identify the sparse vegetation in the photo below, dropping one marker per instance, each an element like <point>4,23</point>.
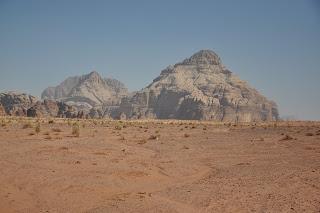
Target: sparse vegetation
<point>142,141</point>
<point>76,129</point>
<point>186,135</point>
<point>56,130</point>
<point>27,125</point>
<point>286,137</point>
<point>154,137</point>
<point>48,137</point>
<point>37,129</point>
<point>118,126</point>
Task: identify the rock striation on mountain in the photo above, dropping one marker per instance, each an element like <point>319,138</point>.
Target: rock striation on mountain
<point>200,88</point>
<point>22,104</point>
<point>15,103</point>
<point>87,91</point>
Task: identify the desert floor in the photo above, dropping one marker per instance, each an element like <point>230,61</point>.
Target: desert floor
<point>158,166</point>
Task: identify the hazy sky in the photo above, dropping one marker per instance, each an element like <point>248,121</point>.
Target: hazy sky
<point>272,44</point>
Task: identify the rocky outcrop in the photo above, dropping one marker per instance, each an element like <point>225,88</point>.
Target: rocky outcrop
<point>21,104</point>
<point>200,88</point>
<point>50,108</point>
<point>16,104</point>
<point>87,91</point>
<point>2,111</point>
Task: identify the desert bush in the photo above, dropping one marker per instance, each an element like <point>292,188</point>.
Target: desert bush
<point>51,122</point>
<point>154,137</point>
<point>118,126</point>
<point>27,125</point>
<point>3,123</point>
<point>286,138</point>
<point>142,141</point>
<point>76,129</point>
<point>186,135</point>
<point>56,130</point>
<point>48,137</point>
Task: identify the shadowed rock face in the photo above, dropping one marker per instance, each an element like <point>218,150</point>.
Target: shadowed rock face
<point>21,104</point>
<point>87,91</point>
<point>199,88</point>
<point>15,103</point>
<point>51,108</point>
<point>2,110</point>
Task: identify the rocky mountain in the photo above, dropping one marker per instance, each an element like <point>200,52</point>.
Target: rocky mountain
<point>87,91</point>
<point>201,88</point>
<point>22,104</point>
<point>15,103</point>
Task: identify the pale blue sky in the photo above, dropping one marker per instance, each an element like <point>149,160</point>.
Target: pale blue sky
<point>272,44</point>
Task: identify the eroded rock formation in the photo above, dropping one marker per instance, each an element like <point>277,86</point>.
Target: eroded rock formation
<point>200,88</point>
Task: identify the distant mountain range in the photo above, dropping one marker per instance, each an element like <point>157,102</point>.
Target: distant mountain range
<point>198,88</point>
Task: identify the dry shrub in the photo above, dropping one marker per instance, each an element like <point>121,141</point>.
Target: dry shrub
<point>154,137</point>
<point>76,130</point>
<point>56,130</point>
<point>118,126</point>
<point>48,137</point>
<point>142,141</point>
<point>286,138</point>
<point>27,125</point>
<point>186,135</point>
<point>37,129</point>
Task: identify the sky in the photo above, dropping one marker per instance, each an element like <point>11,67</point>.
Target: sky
<point>272,44</point>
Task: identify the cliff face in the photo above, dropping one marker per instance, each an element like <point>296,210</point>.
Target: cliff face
<point>15,103</point>
<point>199,88</point>
<point>22,104</point>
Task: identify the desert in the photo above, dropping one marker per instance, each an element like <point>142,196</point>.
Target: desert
<point>101,165</point>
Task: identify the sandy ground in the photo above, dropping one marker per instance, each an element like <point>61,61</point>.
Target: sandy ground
<point>159,167</point>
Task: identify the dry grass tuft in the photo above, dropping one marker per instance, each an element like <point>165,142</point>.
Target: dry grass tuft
<point>154,137</point>
<point>56,130</point>
<point>286,138</point>
<point>37,128</point>
<point>27,125</point>
<point>142,141</point>
<point>76,130</point>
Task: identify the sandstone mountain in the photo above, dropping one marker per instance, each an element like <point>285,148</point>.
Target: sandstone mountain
<point>22,104</point>
<point>198,88</point>
<point>87,91</point>
<point>15,103</point>
<point>201,88</point>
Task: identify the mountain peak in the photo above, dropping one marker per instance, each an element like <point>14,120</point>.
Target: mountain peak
<point>94,74</point>
<point>203,57</point>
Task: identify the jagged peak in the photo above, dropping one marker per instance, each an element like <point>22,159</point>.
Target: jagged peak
<point>94,76</point>
<point>203,57</point>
